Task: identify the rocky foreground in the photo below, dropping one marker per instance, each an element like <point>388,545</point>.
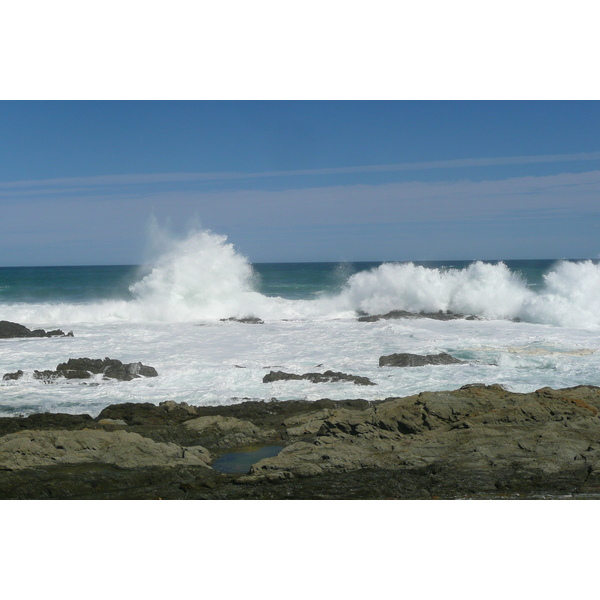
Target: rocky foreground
<point>478,442</point>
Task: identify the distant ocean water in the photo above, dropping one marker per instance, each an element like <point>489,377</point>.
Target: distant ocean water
<point>294,281</point>
<point>539,325</point>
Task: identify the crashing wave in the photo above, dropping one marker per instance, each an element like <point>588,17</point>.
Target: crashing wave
<point>203,277</point>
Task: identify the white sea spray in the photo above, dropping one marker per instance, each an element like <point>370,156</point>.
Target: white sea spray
<point>487,290</point>
<point>570,297</point>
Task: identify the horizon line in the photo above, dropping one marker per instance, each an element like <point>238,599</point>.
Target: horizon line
<point>308,262</point>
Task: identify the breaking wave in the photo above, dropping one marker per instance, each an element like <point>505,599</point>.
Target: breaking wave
<point>482,289</point>
<point>202,277</point>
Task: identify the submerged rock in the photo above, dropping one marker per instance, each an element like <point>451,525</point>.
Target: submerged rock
<point>404,314</point>
<point>9,329</point>
<point>327,377</point>
<point>47,376</point>
<point>417,360</point>
<point>250,320</point>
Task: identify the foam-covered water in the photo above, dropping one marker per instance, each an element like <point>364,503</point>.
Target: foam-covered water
<point>168,316</point>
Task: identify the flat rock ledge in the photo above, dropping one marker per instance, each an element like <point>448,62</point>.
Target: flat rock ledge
<point>418,360</point>
<point>326,377</point>
<point>87,368</point>
<point>8,329</point>
<point>480,441</point>
<point>27,449</point>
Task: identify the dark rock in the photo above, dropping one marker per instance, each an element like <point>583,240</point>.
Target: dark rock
<point>404,314</point>
<point>12,376</point>
<point>42,421</point>
<point>281,376</point>
<point>58,332</point>
<point>15,330</point>
<point>327,377</point>
<point>269,414</point>
<point>394,314</point>
<point>250,320</point>
<point>416,360</point>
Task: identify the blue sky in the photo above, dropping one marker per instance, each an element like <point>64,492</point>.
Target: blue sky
<point>80,182</point>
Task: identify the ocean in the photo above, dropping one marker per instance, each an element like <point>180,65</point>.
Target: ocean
<point>538,324</point>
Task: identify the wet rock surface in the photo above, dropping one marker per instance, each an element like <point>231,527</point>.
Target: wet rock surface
<point>479,441</point>
<point>110,368</point>
<point>418,360</point>
<point>326,377</point>
<point>8,329</point>
<point>13,376</point>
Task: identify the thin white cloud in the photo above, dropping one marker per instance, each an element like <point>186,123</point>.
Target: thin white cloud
<point>359,204</point>
<point>138,178</point>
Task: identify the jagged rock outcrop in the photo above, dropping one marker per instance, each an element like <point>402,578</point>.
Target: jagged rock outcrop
<point>8,329</point>
<point>326,377</point>
<point>417,360</point>
<point>86,368</point>
<point>47,375</point>
<point>479,439</point>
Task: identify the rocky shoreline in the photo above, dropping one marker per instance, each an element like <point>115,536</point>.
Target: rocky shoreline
<point>475,442</point>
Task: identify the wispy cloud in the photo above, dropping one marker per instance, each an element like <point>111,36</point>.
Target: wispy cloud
<point>552,215</point>
<point>156,178</point>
